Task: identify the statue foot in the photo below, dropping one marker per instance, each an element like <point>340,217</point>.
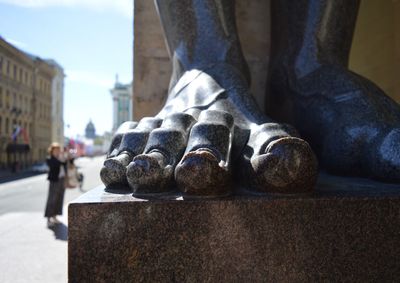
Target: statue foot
<point>128,142</point>
<point>351,124</point>
<point>276,160</point>
<point>209,128</point>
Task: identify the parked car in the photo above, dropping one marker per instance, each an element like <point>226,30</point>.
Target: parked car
<point>40,168</point>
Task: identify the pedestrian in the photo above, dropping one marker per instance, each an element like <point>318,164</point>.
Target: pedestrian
<point>72,177</point>
<point>57,173</point>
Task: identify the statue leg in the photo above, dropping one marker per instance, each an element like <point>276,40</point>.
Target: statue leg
<point>210,126</point>
<point>350,123</point>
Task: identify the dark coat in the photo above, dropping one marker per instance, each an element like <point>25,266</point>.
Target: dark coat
<point>54,168</point>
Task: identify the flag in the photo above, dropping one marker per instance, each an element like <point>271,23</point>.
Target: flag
<point>25,135</point>
<point>16,133</point>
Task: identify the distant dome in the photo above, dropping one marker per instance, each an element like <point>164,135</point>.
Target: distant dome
<point>90,131</point>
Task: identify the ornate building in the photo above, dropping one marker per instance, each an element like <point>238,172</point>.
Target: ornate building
<point>25,107</point>
<point>122,103</point>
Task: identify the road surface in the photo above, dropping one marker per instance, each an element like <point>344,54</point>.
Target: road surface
<point>29,251</point>
<point>30,194</point>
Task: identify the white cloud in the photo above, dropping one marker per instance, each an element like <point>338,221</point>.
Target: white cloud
<point>124,7</point>
<point>90,78</point>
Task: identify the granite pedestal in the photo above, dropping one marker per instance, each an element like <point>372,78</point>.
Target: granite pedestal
<point>349,230</point>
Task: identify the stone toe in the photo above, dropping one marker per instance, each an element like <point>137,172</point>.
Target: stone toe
<point>201,173</point>
<point>149,173</point>
<point>113,171</point>
<point>287,166</point>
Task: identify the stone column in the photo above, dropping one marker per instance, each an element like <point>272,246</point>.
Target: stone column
<point>115,112</point>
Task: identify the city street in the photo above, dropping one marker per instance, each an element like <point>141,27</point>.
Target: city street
<point>30,252</point>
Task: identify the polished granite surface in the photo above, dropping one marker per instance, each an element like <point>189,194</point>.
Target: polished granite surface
<point>349,230</point>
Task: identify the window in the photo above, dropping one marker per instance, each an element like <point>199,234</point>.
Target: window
<point>1,64</point>
<point>7,99</point>
<point>26,78</point>
<point>7,126</point>
<point>8,67</point>
<point>20,75</point>
<point>1,97</point>
<point>1,125</point>
<point>15,72</point>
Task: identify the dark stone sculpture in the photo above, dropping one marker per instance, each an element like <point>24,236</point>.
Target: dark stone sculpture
<point>210,131</point>
<point>350,123</point>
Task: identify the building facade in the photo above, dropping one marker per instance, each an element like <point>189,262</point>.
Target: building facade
<point>25,107</point>
<point>57,107</point>
<point>42,102</point>
<point>122,103</point>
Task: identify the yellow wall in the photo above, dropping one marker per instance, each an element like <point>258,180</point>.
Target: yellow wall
<point>375,52</point>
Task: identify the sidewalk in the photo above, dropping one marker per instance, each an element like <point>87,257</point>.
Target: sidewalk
<point>30,252</point>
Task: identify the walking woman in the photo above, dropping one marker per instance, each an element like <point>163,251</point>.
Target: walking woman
<point>57,172</point>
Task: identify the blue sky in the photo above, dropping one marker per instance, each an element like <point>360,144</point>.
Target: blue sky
<point>91,39</point>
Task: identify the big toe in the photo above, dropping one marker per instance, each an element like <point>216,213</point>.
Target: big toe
<point>287,166</point>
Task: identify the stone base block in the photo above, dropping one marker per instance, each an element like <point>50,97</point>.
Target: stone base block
<point>349,230</point>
